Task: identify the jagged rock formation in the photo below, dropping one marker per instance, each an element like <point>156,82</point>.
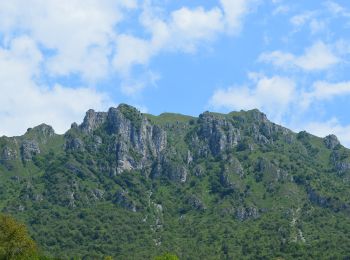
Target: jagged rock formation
<point>331,141</point>
<point>29,149</point>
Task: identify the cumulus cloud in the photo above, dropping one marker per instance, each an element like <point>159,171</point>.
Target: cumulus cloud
<point>300,19</point>
<point>234,11</point>
<point>272,95</point>
<point>25,103</point>
<point>337,9</point>
<point>67,39</point>
<point>323,90</point>
<point>182,30</point>
<point>315,58</point>
<point>79,37</point>
<point>77,34</point>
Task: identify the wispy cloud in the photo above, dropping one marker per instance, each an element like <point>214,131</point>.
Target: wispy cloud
<point>323,91</point>
<point>301,19</point>
<point>317,57</point>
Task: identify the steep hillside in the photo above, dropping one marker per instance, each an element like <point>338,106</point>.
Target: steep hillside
<point>134,185</point>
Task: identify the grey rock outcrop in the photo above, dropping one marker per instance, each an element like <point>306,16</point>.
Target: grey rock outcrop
<point>122,199</point>
<point>245,213</point>
<point>29,149</point>
<point>45,130</point>
<point>74,144</point>
<point>268,172</point>
<point>137,140</point>
<point>340,161</point>
<point>331,141</point>
<point>93,120</point>
<point>215,135</point>
<point>196,203</point>
<point>8,154</point>
<point>173,170</point>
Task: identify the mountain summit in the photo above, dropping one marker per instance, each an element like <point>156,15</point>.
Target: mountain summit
<point>220,186</point>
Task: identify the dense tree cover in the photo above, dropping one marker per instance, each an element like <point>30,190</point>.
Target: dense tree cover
<point>166,256</point>
<point>226,187</point>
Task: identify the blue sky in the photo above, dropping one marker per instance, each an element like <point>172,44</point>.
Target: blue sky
<point>287,58</point>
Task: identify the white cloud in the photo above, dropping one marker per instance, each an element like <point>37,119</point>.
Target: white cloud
<point>337,9</point>
<point>281,9</point>
<point>82,38</point>
<point>25,104</point>
<point>317,26</point>
<point>317,57</point>
<point>278,58</point>
<point>77,33</point>
<point>325,91</point>
<point>234,12</point>
<point>130,51</point>
<point>189,27</point>
<point>311,19</point>
<point>343,47</point>
<point>183,30</point>
<point>272,95</point>
<point>300,19</point>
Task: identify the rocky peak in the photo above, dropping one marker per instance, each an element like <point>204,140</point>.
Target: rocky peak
<point>216,132</point>
<point>257,116</point>
<point>331,141</point>
<point>134,133</point>
<point>93,120</point>
<point>42,131</point>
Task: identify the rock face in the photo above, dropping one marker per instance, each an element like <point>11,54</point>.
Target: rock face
<point>137,141</point>
<point>215,135</point>
<point>121,198</point>
<point>74,144</point>
<point>41,133</point>
<point>29,149</point>
<point>331,141</point>
<point>131,138</point>
<point>245,213</point>
<point>219,134</point>
<point>340,162</point>
<point>45,131</point>
<point>8,154</point>
<point>92,121</point>
<point>196,203</point>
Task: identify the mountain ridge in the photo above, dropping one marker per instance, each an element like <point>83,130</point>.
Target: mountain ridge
<point>135,185</point>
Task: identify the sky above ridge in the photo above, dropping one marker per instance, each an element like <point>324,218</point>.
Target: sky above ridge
<point>290,59</point>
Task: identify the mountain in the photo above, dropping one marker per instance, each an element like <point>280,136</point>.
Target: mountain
<point>220,186</point>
